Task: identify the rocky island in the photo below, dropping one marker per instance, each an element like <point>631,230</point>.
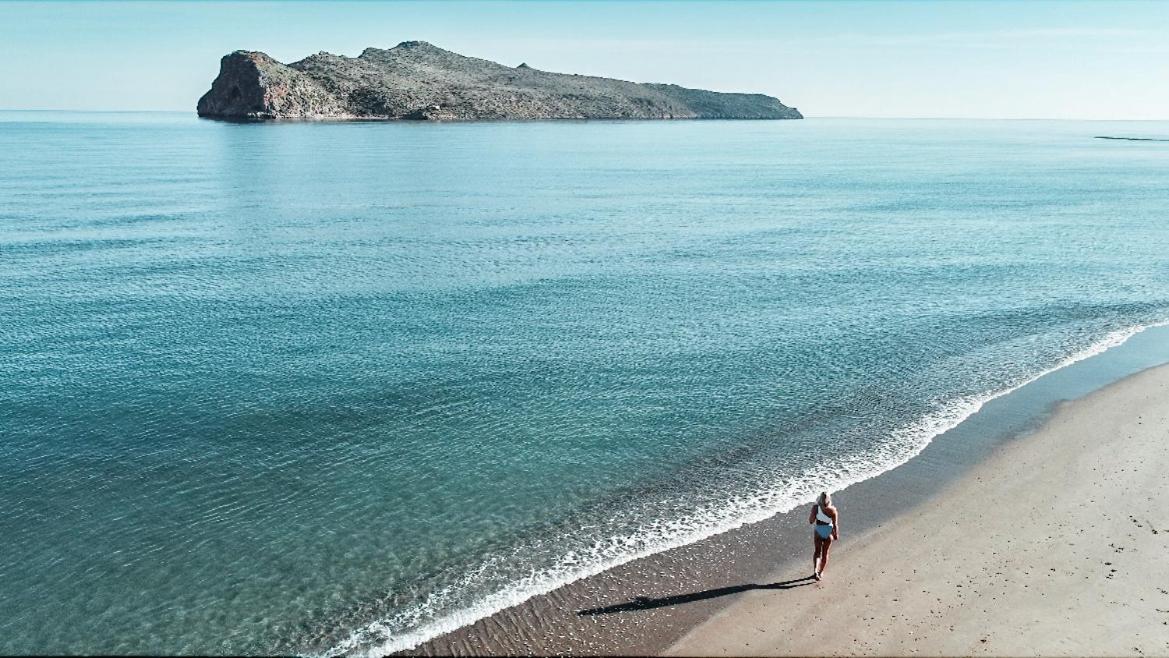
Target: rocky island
<point>415,80</point>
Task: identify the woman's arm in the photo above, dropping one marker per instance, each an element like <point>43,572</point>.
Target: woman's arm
<point>835,524</point>
<point>812,515</point>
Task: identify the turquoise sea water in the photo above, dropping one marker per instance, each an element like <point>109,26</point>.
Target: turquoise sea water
<point>338,387</point>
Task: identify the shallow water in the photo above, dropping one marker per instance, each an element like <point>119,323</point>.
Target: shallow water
<point>287,388</point>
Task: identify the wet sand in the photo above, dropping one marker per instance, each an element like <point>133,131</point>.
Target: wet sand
<point>1056,544</point>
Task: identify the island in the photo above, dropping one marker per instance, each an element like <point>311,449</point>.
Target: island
<point>418,81</point>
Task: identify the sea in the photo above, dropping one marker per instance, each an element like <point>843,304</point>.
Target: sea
<point>337,388</point>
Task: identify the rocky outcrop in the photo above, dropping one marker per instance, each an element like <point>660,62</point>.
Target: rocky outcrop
<point>417,81</point>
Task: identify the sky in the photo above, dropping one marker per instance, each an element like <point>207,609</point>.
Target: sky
<point>1036,59</point>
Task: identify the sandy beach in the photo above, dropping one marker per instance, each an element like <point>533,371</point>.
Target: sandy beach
<point>1057,544</point>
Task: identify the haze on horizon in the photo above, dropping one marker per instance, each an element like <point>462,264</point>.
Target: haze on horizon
<point>1062,60</point>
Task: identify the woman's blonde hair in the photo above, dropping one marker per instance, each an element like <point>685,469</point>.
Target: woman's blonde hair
<point>824,500</point>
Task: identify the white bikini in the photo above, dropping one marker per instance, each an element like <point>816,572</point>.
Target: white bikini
<point>821,516</point>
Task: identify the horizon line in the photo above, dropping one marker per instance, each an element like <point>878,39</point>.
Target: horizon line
<point>806,116</point>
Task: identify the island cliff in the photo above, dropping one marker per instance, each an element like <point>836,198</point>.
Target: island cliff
<point>415,80</point>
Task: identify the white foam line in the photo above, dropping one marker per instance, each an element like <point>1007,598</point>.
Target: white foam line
<point>377,638</point>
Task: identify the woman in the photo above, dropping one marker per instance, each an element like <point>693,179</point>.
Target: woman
<point>827,521</point>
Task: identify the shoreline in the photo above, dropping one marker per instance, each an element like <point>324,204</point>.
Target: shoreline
<point>646,605</point>
<point>1054,545</point>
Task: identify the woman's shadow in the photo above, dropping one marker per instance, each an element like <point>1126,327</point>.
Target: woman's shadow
<point>646,603</point>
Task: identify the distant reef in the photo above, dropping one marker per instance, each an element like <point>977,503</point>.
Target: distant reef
<point>418,81</point>
<point>1133,139</point>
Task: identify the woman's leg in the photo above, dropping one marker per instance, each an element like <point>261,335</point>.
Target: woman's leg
<point>819,543</point>
<point>826,545</point>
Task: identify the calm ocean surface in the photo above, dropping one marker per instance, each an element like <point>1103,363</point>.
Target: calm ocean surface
<point>338,387</point>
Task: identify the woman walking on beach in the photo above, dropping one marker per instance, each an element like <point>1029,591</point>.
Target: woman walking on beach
<point>827,521</point>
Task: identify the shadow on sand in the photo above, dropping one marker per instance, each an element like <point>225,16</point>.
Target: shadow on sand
<point>646,603</point>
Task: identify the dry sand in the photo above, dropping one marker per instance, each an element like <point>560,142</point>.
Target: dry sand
<point>1058,544</point>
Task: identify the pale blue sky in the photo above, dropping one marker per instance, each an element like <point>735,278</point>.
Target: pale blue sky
<point>1044,59</point>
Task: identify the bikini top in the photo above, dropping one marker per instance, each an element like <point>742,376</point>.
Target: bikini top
<point>821,516</point>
